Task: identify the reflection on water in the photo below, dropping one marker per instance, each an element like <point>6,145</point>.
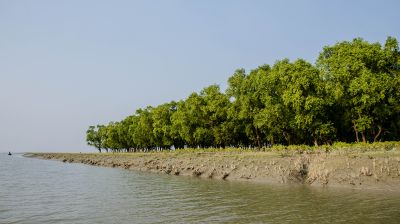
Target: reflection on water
<point>40,191</point>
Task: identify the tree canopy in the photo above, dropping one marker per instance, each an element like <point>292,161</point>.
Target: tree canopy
<point>351,94</point>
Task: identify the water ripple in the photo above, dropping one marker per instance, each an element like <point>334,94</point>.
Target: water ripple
<point>40,191</point>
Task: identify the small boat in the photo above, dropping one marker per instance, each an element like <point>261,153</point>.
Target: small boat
<point>9,153</point>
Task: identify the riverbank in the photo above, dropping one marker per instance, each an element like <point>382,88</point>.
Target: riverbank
<point>377,169</point>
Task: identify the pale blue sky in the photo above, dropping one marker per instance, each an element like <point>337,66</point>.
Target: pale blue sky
<point>65,65</point>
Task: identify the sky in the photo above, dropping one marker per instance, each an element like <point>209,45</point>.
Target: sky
<point>65,65</point>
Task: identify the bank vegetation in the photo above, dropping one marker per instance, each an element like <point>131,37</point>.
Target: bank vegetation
<point>350,95</point>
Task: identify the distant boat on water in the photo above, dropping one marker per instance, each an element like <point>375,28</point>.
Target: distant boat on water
<point>9,153</point>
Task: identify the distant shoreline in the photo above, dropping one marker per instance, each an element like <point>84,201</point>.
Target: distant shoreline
<point>378,169</point>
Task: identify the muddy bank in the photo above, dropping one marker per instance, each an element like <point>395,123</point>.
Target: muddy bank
<point>369,170</point>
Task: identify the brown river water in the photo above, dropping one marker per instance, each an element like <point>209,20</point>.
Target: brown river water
<point>42,191</point>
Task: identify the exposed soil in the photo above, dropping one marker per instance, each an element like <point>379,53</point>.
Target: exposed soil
<point>369,170</point>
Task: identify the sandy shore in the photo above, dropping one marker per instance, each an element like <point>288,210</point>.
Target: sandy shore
<point>368,170</point>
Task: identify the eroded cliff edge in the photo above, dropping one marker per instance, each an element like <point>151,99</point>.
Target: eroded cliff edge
<point>368,170</point>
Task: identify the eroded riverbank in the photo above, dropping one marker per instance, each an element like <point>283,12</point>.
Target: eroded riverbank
<point>368,170</point>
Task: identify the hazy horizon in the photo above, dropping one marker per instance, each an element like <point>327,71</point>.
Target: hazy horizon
<point>67,65</point>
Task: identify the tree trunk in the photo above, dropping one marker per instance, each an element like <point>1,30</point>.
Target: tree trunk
<point>315,142</point>
<point>258,137</point>
<point>379,132</point>
<point>356,133</point>
<point>99,150</point>
<point>363,137</point>
<point>287,137</point>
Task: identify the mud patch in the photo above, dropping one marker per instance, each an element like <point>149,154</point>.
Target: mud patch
<point>323,169</point>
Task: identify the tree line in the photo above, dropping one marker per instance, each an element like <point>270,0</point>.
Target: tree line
<point>351,94</point>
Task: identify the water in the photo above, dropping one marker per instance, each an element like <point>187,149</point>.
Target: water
<point>42,191</point>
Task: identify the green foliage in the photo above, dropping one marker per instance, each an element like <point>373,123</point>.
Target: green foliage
<point>94,137</point>
<point>162,125</point>
<point>353,90</point>
<point>362,79</point>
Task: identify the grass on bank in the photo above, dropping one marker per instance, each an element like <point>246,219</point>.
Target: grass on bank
<point>282,150</point>
<point>376,149</point>
<point>338,146</point>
